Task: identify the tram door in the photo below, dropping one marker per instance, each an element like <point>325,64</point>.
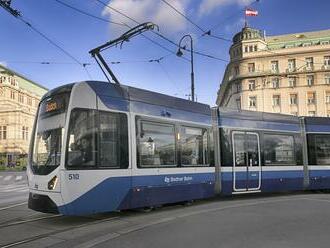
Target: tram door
<point>246,164</point>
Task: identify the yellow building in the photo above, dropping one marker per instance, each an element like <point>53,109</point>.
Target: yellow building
<point>19,99</point>
<point>287,74</point>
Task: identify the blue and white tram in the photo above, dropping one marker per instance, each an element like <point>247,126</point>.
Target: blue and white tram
<point>101,147</point>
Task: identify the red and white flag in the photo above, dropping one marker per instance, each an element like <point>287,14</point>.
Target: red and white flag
<point>251,12</point>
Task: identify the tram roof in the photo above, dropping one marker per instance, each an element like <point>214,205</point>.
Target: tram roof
<point>149,97</point>
<point>317,124</point>
<point>258,120</point>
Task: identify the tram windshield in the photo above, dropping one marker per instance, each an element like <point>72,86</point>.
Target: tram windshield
<point>47,151</point>
<point>48,134</point>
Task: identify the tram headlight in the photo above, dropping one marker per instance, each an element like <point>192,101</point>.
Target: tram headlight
<point>52,183</point>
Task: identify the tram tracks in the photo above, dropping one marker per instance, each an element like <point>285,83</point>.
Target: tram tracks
<point>51,233</point>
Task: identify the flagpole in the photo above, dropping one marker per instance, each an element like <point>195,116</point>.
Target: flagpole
<point>245,25</point>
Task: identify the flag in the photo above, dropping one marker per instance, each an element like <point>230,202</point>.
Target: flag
<point>251,12</point>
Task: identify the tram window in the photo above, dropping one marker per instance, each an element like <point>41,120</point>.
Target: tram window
<point>226,147</point>
<point>82,139</point>
<point>113,140</point>
<point>156,145</point>
<point>319,149</point>
<point>279,149</point>
<point>194,146</point>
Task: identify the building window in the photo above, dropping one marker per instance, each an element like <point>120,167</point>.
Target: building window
<point>251,67</point>
<point>12,95</point>
<point>311,113</point>
<point>246,49</point>
<point>292,81</point>
<point>325,42</point>
<point>252,101</point>
<point>250,48</point>
<point>309,63</point>
<point>20,98</point>
<point>255,48</point>
<point>310,80</point>
<point>291,65</point>
<point>13,81</point>
<point>238,103</point>
<point>293,99</point>
<point>327,97</point>
<point>279,149</point>
<point>327,78</point>
<point>29,101</point>
<point>236,70</point>
<point>25,133</point>
<point>276,100</point>
<point>328,113</point>
<point>3,132</point>
<point>252,84</point>
<point>311,98</point>
<point>276,83</point>
<point>238,87</point>
<point>327,61</point>
<point>2,80</point>
<point>274,66</point>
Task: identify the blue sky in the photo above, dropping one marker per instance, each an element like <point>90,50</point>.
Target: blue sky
<point>21,48</point>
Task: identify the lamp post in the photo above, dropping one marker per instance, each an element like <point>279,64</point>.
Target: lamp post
<point>179,53</point>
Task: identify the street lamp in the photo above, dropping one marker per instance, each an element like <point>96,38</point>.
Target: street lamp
<point>180,53</point>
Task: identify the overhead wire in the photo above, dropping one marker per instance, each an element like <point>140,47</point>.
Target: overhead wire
<point>161,35</point>
<point>88,14</point>
<point>204,31</point>
<point>19,17</point>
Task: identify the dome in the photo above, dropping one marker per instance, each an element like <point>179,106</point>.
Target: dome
<point>248,33</point>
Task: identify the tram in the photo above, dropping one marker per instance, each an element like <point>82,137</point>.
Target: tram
<point>101,147</point>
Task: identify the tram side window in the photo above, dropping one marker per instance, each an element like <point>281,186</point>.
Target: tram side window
<point>113,140</point>
<point>82,139</point>
<point>226,147</point>
<point>194,146</point>
<point>279,149</point>
<point>319,149</point>
<point>156,145</point>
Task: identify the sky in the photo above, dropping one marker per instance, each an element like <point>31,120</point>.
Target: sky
<point>25,51</point>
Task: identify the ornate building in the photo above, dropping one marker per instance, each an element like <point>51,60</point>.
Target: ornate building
<point>280,74</point>
<point>19,99</point>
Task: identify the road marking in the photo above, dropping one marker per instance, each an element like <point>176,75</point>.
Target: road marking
<point>18,178</point>
<point>13,206</point>
<point>316,199</point>
<point>98,240</point>
<point>7,178</point>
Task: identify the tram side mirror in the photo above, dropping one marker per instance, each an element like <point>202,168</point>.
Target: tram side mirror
<point>141,134</point>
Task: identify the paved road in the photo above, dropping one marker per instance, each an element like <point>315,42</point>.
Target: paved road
<point>280,220</point>
<point>13,188</point>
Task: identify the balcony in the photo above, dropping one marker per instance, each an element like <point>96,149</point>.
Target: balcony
<point>308,68</point>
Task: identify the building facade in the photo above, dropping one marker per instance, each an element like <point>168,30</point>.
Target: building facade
<point>19,99</point>
<point>287,74</point>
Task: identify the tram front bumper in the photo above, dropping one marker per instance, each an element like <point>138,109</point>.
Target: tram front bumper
<point>42,203</point>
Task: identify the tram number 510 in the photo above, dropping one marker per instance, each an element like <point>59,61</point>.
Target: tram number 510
<point>74,176</point>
